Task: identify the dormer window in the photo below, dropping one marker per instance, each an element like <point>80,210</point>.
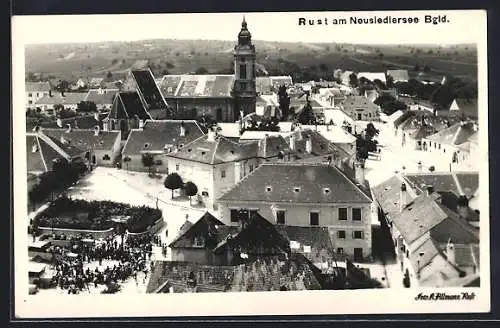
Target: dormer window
<point>146,145</point>
<point>326,191</point>
<point>189,150</point>
<point>296,189</point>
<point>203,153</point>
<point>269,188</point>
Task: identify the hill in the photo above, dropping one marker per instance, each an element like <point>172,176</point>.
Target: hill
<point>72,61</point>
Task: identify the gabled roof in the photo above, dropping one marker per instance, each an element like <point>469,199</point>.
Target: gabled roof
<point>37,87</point>
<point>70,98</point>
<point>156,135</point>
<point>85,139</point>
<point>101,98</point>
<point>197,86</point>
<point>39,154</point>
<point>387,194</point>
<point>62,145</point>
<point>456,134</point>
<point>128,105</point>
<point>284,179</point>
<point>354,102</point>
<point>148,89</point>
<point>206,227</point>
<point>398,75</point>
<point>78,122</point>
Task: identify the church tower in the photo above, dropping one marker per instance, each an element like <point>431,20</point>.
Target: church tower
<point>244,90</point>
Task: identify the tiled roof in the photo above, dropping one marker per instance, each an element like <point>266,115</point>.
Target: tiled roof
<point>454,135</point>
<point>207,225</point>
<point>271,146</point>
<point>398,74</point>
<point>78,122</point>
<point>229,130</point>
<point>424,254</point>
<point>70,98</point>
<point>192,86</point>
<point>354,102</point>
<point>158,134</point>
<point>468,107</point>
<point>372,76</point>
<point>333,133</point>
<point>285,178</point>
<point>388,195</point>
<point>35,160</point>
<point>453,229</point>
<point>469,182</point>
<point>316,237</point>
<point>127,105</point>
<point>64,144</point>
<point>37,86</point>
<point>419,216</point>
<point>147,87</point>
<point>85,139</point>
<point>101,98</point>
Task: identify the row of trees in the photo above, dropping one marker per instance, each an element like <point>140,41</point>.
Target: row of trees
<point>173,181</point>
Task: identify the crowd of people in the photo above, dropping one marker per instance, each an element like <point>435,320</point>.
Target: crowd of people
<point>74,272</point>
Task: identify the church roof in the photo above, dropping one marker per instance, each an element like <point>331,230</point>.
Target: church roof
<point>197,86</point>
<point>127,105</point>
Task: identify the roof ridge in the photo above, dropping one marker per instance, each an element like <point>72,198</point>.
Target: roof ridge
<point>41,153</point>
<point>215,151</point>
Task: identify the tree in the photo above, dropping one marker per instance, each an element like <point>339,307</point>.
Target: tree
<point>353,80</point>
<point>86,106</point>
<point>148,161</point>
<point>371,131</point>
<point>306,116</point>
<point>284,101</point>
<point>173,182</point>
<point>191,190</point>
<point>201,71</point>
<point>62,85</point>
<point>126,160</point>
<point>109,75</point>
<point>58,107</point>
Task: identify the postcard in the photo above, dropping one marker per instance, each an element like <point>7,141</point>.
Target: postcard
<point>251,164</point>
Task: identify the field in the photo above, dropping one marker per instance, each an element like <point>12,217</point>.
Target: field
<point>72,61</point>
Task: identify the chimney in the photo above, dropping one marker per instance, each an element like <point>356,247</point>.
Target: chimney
<point>97,130</point>
<point>59,123</point>
<point>34,148</point>
<point>68,130</point>
<point>50,93</point>
<point>450,252</point>
<point>62,93</point>
<point>463,207</point>
<point>359,172</point>
<point>141,124</point>
<point>308,145</point>
<point>237,172</point>
<point>429,190</point>
<point>183,129</point>
<point>211,135</point>
<point>403,198</point>
<point>36,128</point>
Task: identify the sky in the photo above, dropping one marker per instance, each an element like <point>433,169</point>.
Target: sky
<point>463,27</point>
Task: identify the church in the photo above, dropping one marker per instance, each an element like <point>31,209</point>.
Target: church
<point>222,97</point>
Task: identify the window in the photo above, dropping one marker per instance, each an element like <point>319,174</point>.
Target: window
<point>269,188</point>
<point>296,189</point>
<point>280,217</point>
<point>341,234</point>
<point>356,214</point>
<point>30,94</point>
<point>204,193</point>
<point>222,173</point>
<point>243,85</point>
<point>234,215</point>
<point>326,191</point>
<point>30,102</point>
<point>340,251</point>
<point>158,162</point>
<point>243,71</point>
<point>357,234</point>
<point>106,157</point>
<point>250,167</point>
<point>342,213</point>
<point>177,167</point>
<point>439,146</point>
<point>314,218</point>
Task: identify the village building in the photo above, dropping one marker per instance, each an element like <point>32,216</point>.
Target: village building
<point>398,75</point>
<point>298,194</point>
<point>360,108</point>
<point>99,148</point>
<point>434,245</point>
<point>220,96</point>
<point>216,163</point>
<point>35,91</point>
<point>39,154</point>
<point>69,100</point>
<point>454,144</point>
<point>127,112</point>
<point>269,85</point>
<point>157,137</point>
<point>372,76</point>
<point>102,98</point>
<point>96,82</point>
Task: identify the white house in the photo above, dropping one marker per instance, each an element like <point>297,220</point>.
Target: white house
<point>35,91</point>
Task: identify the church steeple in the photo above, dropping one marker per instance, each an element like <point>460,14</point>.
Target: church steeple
<point>244,89</point>
<point>244,37</point>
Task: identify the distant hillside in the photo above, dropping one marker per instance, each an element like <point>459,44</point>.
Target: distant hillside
<point>72,61</point>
